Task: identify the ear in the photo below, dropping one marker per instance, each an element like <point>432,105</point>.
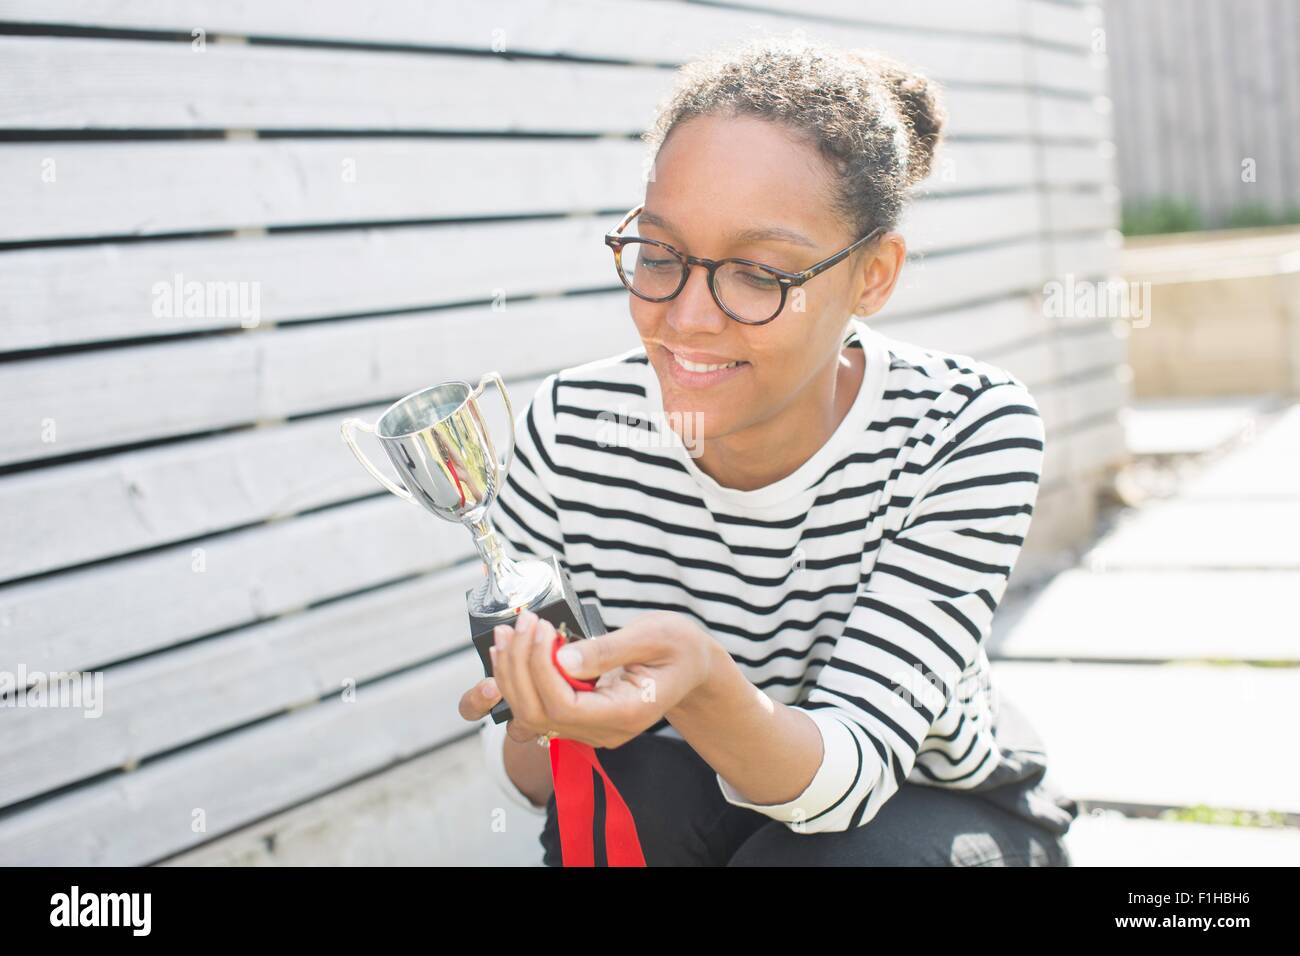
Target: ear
<point>880,271</point>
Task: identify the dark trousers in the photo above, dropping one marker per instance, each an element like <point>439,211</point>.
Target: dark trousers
<point>683,820</point>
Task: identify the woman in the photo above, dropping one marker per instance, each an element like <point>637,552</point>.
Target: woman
<point>796,528</point>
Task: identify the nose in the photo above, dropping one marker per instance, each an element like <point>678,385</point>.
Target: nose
<point>694,309</point>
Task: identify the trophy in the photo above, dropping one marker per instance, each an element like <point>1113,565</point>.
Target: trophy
<point>445,458</point>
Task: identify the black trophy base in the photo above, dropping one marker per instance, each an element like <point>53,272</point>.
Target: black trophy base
<point>580,620</point>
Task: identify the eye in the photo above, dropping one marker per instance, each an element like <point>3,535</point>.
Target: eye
<point>756,278</point>
<point>656,262</point>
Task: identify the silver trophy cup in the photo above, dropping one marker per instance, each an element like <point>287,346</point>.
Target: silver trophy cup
<point>448,465</point>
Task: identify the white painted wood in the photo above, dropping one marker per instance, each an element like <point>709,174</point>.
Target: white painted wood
<point>63,83</point>
<point>145,815</point>
<point>89,618</point>
<point>126,290</point>
<point>1061,24</point>
<point>101,399</point>
<point>134,500</point>
<point>168,700</point>
<point>425,812</point>
<point>575,27</point>
<point>154,188</point>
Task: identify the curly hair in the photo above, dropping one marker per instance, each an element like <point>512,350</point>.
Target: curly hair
<point>874,120</point>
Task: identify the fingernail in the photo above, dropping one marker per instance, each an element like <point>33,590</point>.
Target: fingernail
<point>490,688</point>
<point>569,658</point>
<point>527,620</point>
<point>500,634</point>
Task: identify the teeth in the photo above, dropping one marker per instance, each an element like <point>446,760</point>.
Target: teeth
<point>698,367</point>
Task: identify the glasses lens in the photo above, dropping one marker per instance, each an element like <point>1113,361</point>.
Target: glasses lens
<point>750,292</point>
<point>651,270</point>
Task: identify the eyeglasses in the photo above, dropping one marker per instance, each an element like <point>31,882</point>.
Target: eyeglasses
<point>749,292</point>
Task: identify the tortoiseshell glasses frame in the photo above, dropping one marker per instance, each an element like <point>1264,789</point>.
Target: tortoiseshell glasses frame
<point>785,280</point>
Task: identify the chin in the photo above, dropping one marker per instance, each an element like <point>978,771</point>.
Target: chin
<point>693,422</point>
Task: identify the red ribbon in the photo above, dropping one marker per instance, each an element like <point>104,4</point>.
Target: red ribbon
<point>575,798</point>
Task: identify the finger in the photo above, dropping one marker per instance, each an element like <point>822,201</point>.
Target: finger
<point>526,703</point>
<point>478,701</point>
<point>633,644</point>
<point>501,636</point>
<point>521,732</point>
<point>552,689</point>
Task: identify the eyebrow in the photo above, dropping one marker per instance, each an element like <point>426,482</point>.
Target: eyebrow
<point>754,234</point>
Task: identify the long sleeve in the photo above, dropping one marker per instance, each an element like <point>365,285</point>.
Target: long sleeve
<point>526,519</point>
<point>919,623</point>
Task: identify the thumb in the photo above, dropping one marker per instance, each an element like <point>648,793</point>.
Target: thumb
<point>588,659</point>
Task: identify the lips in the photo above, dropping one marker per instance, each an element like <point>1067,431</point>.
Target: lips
<point>686,370</point>
<point>703,361</point>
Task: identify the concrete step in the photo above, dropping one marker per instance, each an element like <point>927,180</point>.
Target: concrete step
<point>1188,426</point>
<point>1153,615</point>
<point>1267,467</point>
<point>1174,735</point>
<point>1111,839</point>
<point>1202,533</point>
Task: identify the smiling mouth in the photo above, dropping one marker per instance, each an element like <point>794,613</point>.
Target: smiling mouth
<point>698,367</point>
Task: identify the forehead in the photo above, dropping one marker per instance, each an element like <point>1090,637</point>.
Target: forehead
<point>740,179</point>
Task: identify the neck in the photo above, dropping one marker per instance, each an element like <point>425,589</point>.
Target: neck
<point>774,449</point>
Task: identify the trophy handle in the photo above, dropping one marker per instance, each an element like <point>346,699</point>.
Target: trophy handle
<point>510,416</point>
<point>346,428</point>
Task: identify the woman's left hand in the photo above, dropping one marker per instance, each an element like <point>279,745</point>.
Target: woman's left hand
<point>644,668</point>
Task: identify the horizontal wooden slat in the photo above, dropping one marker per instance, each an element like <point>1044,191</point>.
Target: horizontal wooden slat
<point>140,189</point>
<point>993,16</point>
<point>88,618</point>
<point>577,27</point>
<point>971,221</point>
<point>385,820</point>
<point>71,83</point>
<point>138,817</point>
<point>62,83</point>
<point>1073,211</point>
<point>99,399</point>
<point>126,290</point>
<point>134,500</point>
<point>1079,72</point>
<point>984,329</point>
<point>170,700</point>
<point>949,280</point>
<point>1067,24</point>
<point>1059,117</point>
<point>1070,165</point>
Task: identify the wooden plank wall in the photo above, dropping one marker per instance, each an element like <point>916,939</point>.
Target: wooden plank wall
<point>1201,88</point>
<point>179,513</point>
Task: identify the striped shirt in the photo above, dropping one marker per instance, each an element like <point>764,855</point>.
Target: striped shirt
<point>860,588</point>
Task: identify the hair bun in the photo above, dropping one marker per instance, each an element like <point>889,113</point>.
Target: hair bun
<point>917,99</point>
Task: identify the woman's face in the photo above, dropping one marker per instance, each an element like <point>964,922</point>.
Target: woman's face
<point>715,178</point>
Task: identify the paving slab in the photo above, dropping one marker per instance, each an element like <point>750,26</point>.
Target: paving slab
<point>1153,615</point>
<point>1169,735</point>
<point>1202,533</point>
<point>1268,466</point>
<point>1111,839</point>
<point>1188,426</point>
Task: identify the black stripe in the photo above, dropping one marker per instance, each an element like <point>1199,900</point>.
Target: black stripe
<point>598,819</point>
